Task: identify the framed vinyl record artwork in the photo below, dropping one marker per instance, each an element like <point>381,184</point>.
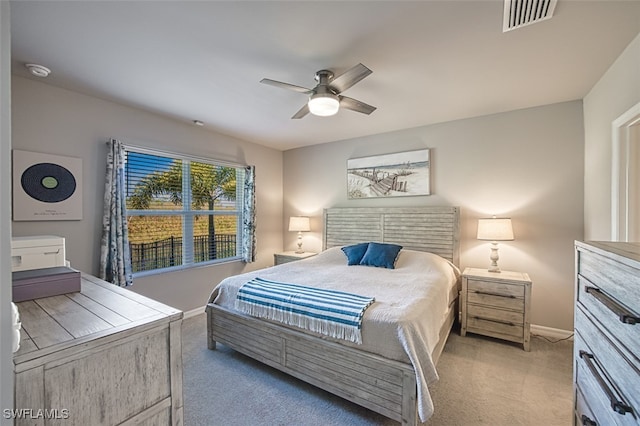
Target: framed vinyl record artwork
<point>46,187</point>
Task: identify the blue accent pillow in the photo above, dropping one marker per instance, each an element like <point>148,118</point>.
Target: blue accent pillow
<point>381,255</point>
<point>355,252</point>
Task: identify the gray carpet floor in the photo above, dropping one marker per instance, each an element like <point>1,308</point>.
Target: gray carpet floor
<point>483,381</point>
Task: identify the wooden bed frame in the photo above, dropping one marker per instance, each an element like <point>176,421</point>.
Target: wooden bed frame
<point>382,385</point>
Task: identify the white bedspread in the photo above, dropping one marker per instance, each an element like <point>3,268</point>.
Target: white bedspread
<point>403,324</point>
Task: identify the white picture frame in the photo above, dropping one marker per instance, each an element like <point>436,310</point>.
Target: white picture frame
<point>390,175</point>
<point>46,187</point>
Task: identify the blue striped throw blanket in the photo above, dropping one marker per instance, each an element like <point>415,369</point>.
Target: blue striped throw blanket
<point>329,312</point>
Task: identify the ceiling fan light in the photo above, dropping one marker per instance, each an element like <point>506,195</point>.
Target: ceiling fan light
<point>324,104</point>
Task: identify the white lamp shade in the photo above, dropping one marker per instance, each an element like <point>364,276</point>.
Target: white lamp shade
<point>299,223</point>
<point>324,104</point>
<point>495,229</point>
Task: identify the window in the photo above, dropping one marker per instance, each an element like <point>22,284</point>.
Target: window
<point>175,222</point>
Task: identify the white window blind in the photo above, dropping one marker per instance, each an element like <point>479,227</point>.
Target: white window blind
<point>181,211</point>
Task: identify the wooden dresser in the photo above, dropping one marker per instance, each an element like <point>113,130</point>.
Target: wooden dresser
<point>607,334</point>
<point>103,356</point>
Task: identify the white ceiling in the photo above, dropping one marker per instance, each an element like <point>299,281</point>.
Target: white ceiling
<point>432,61</point>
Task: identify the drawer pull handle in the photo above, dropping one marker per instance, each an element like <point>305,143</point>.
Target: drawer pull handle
<point>488,293</point>
<point>617,406</point>
<point>623,314</point>
<point>497,321</point>
<point>586,421</point>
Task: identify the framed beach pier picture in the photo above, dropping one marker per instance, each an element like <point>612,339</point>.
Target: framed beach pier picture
<point>389,175</point>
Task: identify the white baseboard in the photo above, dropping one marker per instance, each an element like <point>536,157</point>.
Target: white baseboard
<point>193,312</point>
<point>553,333</point>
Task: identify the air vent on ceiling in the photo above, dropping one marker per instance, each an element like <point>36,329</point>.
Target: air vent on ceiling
<point>518,13</point>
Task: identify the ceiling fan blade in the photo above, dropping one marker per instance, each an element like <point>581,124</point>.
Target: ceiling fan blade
<point>349,78</point>
<point>286,85</point>
<point>302,112</point>
<point>355,105</point>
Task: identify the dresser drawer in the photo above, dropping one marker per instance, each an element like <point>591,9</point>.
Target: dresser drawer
<point>627,336</point>
<point>597,399</point>
<point>621,370</point>
<point>584,415</point>
<point>607,333</point>
<point>616,279</point>
<point>495,288</point>
<point>606,379</point>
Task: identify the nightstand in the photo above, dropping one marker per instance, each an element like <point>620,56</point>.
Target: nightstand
<point>496,304</point>
<point>290,256</point>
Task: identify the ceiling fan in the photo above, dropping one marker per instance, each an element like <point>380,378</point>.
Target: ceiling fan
<point>325,99</point>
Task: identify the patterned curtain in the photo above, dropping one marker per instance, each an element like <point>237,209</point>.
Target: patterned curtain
<point>115,257</point>
<point>249,215</point>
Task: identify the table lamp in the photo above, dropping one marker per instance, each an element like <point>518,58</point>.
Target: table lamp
<point>494,230</point>
<point>299,224</point>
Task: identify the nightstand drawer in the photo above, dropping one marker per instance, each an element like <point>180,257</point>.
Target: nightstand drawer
<point>494,328</point>
<point>290,256</point>
<point>495,288</point>
<point>280,259</point>
<point>504,302</point>
<point>500,315</point>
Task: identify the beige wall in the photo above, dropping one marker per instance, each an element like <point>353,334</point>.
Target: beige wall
<point>56,121</point>
<point>526,164</point>
<point>616,92</point>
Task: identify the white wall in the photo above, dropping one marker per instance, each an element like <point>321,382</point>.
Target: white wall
<point>616,92</point>
<point>6,337</point>
<point>526,164</point>
<point>57,121</point>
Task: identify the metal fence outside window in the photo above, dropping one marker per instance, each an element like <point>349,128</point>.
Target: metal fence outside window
<point>168,252</point>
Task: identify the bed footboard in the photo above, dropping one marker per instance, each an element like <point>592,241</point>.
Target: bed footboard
<point>385,386</point>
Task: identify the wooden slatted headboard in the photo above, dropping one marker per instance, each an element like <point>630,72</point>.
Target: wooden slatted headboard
<point>431,229</point>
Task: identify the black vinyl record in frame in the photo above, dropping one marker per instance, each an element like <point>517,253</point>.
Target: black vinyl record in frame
<point>46,187</point>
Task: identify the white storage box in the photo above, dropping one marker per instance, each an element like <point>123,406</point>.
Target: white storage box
<point>43,251</point>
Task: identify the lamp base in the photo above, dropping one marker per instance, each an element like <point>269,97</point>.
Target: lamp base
<point>299,251</point>
<point>494,258</point>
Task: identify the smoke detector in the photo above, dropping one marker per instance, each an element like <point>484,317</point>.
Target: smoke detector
<point>520,13</point>
<point>38,70</point>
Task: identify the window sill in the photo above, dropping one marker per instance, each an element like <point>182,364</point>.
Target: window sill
<point>186,267</point>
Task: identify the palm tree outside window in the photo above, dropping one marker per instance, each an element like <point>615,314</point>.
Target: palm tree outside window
<point>175,222</point>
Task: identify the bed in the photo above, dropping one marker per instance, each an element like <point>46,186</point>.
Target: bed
<point>389,372</point>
